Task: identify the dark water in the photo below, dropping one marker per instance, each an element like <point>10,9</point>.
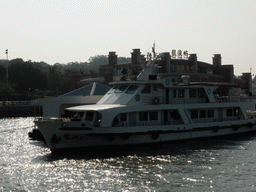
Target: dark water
<point>212,165</point>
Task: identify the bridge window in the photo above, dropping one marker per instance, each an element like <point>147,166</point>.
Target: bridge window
<point>89,116</point>
<point>78,115</point>
<point>121,88</point>
<point>131,89</point>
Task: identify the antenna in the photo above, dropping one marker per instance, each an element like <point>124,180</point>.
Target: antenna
<point>153,50</point>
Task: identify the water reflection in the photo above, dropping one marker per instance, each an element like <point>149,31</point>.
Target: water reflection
<point>206,165</point>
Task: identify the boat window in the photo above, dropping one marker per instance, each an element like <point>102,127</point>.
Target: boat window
<point>121,88</point>
<point>143,116</point>
<point>89,116</point>
<point>210,113</point>
<point>192,93</point>
<point>174,93</point>
<point>194,114</point>
<point>153,115</point>
<point>175,115</point>
<point>74,114</point>
<point>229,112</point>
<point>78,115</point>
<point>115,121</point>
<point>131,89</point>
<point>181,93</point>
<point>147,89</point>
<point>202,114</point>
<point>201,93</point>
<point>112,90</point>
<point>97,117</point>
<point>123,117</point>
<point>236,112</point>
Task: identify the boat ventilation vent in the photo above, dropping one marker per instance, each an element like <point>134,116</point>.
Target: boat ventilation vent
<point>185,79</point>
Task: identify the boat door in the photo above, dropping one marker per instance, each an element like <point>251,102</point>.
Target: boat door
<point>220,114</point>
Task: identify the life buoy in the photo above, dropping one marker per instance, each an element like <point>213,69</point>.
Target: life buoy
<point>155,101</point>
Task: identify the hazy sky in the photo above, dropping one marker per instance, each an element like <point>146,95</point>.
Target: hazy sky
<point>74,30</point>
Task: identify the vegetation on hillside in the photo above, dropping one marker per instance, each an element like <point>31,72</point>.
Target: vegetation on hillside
<point>25,77</point>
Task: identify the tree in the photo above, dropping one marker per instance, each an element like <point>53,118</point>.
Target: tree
<point>26,77</point>
<point>2,73</point>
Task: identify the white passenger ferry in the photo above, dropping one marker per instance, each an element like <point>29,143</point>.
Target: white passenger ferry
<point>150,110</point>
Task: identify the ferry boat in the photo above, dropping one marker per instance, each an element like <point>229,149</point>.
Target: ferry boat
<point>150,110</point>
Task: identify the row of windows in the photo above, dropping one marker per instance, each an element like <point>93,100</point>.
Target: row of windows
<point>233,112</point>
<point>193,93</point>
<point>124,88</point>
<point>145,116</point>
<point>176,93</point>
<point>195,114</point>
<point>150,116</point>
<point>87,116</point>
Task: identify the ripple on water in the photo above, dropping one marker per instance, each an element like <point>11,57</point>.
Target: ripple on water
<point>210,165</point>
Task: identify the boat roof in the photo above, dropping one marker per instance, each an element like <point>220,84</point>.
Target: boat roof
<point>100,107</point>
<point>91,89</point>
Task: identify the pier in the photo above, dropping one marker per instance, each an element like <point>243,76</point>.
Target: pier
<point>19,109</point>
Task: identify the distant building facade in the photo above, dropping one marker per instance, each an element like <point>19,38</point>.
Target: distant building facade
<point>171,65</point>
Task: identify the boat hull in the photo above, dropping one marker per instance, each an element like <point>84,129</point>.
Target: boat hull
<point>58,138</point>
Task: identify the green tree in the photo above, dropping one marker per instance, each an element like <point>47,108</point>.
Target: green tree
<point>2,73</point>
<point>26,77</point>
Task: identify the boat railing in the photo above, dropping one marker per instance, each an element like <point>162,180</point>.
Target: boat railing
<point>148,123</point>
<point>173,122</point>
<point>232,118</point>
<point>52,119</point>
<point>154,100</point>
<point>204,120</point>
<point>144,123</point>
<point>183,101</point>
<point>231,98</point>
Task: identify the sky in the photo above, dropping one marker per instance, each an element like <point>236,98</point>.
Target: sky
<point>63,31</point>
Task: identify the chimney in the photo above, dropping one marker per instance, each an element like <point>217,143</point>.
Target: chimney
<point>216,60</point>
<point>167,58</point>
<point>112,59</point>
<point>135,56</point>
<point>193,60</point>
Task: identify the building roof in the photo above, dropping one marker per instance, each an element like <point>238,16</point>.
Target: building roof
<point>91,89</point>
